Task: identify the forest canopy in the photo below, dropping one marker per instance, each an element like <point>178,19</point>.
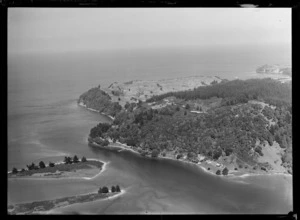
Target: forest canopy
<point>238,91</point>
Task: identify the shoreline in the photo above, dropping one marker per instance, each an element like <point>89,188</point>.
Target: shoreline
<point>231,173</point>
<point>94,110</point>
<point>64,174</point>
<point>52,211</point>
<point>63,204</point>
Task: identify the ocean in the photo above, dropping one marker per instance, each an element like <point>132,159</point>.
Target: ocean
<point>45,123</point>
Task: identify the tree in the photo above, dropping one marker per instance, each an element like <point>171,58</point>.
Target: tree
<point>191,155</point>
<point>42,165</point>
<point>126,106</point>
<point>155,153</point>
<point>218,172</point>
<point>104,190</point>
<point>258,149</point>
<point>143,153</point>
<point>113,189</point>
<point>105,143</point>
<point>100,190</point>
<point>14,170</point>
<point>217,154</point>
<point>75,159</point>
<point>185,113</point>
<point>29,167</point>
<point>118,188</point>
<point>99,130</point>
<point>225,171</point>
<point>68,160</point>
<point>83,159</point>
<point>177,108</point>
<point>214,82</point>
<point>178,156</point>
<point>32,167</point>
<point>51,164</point>
<point>228,151</point>
<point>23,170</point>
<point>187,106</point>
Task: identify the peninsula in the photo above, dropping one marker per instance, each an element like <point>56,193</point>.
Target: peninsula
<point>226,127</point>
<point>43,207</point>
<point>69,168</point>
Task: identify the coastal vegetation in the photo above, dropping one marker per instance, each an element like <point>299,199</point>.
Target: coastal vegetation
<point>70,164</point>
<point>99,100</point>
<point>237,120</point>
<point>237,91</point>
<point>105,189</point>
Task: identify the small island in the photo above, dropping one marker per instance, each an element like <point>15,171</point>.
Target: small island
<point>69,168</point>
<point>43,207</point>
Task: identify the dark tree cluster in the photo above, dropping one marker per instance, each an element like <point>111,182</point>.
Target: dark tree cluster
<point>70,160</point>
<point>99,130</point>
<point>223,130</point>
<point>105,189</point>
<point>42,165</point>
<point>237,91</point>
<point>99,100</point>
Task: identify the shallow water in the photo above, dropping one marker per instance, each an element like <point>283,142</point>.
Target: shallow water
<point>45,123</point>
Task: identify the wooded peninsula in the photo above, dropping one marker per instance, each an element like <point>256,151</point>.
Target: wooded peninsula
<point>227,127</point>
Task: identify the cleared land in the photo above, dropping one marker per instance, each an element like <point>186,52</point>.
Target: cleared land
<point>143,89</point>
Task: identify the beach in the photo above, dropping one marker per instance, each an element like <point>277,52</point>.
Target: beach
<point>206,166</point>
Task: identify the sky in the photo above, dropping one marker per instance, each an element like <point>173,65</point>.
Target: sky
<point>48,30</point>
